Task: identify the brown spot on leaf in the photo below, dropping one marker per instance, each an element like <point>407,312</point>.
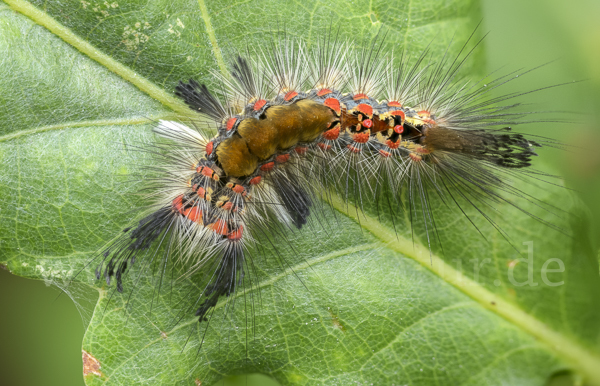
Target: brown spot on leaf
<point>90,364</point>
<point>4,267</point>
<point>336,321</point>
<point>198,382</point>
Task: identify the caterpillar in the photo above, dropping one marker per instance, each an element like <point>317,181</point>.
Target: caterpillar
<point>295,126</point>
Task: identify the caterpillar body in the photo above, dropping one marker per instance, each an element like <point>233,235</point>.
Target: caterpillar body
<point>296,125</point>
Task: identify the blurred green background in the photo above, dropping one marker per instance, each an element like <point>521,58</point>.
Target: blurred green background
<point>41,335</point>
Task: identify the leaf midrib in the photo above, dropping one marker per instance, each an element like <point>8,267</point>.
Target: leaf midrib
<point>87,123</point>
<point>582,359</point>
<point>69,37</point>
<point>579,357</point>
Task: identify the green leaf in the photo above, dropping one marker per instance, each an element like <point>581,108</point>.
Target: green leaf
<point>363,301</point>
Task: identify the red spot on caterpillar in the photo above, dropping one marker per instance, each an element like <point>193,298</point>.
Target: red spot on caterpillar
<point>384,153</point>
<point>399,113</point>
<point>239,189</point>
<point>259,104</point>
<point>333,104</point>
<point>392,145</point>
<point>267,167</point>
<point>236,234</point>
<point>323,146</point>
<point>323,91</point>
<point>394,104</point>
<point>353,149</point>
<point>256,180</point>
<point>230,123</point>
<point>365,109</point>
<point>361,137</point>
<point>357,97</point>
<point>301,150</point>
<point>207,172</point>
<point>209,148</point>
<point>219,227</point>
<point>194,214</point>
<point>367,123</point>
<point>414,157</point>
<point>426,116</point>
<point>421,150</point>
<point>227,206</point>
<point>282,158</point>
<point>290,95</point>
<point>399,129</point>
<point>201,192</point>
<point>332,134</point>
<point>177,203</point>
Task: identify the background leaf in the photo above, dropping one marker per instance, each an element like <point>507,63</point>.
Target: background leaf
<point>375,309</point>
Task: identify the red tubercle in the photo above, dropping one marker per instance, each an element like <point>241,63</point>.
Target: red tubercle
<point>384,153</point>
<point>399,113</point>
<point>353,149</point>
<point>267,167</point>
<point>365,109</point>
<point>415,157</point>
<point>360,96</point>
<point>239,189</point>
<point>334,105</point>
<point>332,134</point>
<point>259,104</point>
<point>177,203</point>
<point>323,146</point>
<point>290,95</point>
<point>236,234</point>
<point>231,123</point>
<point>256,180</point>
<point>422,150</point>
<point>219,227</point>
<point>361,137</point>
<point>394,104</point>
<point>193,214</point>
<point>323,91</point>
<point>201,192</point>
<point>426,116</point>
<point>392,145</point>
<point>207,172</point>
<point>367,123</point>
<point>227,206</point>
<point>236,188</point>
<point>282,158</point>
<point>301,150</point>
<point>399,129</point>
<point>209,147</point>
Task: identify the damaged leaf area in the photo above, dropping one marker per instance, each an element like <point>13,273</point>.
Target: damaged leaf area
<point>362,299</point>
<point>91,366</point>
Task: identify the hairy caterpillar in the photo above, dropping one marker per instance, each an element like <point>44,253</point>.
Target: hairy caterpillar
<point>290,135</point>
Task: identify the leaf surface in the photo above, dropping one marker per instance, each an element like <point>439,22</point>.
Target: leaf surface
<point>364,300</point>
